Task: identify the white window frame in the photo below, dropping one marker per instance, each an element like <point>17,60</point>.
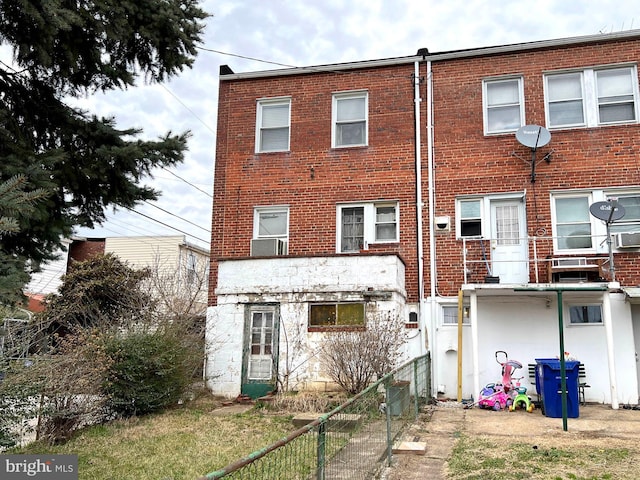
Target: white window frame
<point>336,98</point>
<point>482,219</point>
<point>267,102</point>
<point>276,209</point>
<point>626,224</point>
<point>598,227</point>
<point>591,220</point>
<point>580,304</point>
<point>454,307</point>
<point>590,101</point>
<point>486,107</point>
<point>369,234</point>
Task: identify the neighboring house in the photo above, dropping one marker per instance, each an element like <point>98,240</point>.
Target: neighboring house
<point>181,268</point>
<point>405,186</point>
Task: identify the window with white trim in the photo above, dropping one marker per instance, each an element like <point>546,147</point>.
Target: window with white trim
<point>271,222</point>
<point>572,222</point>
<point>503,101</point>
<point>630,223</point>
<point>450,315</point>
<point>349,119</point>
<point>585,314</point>
<point>470,217</point>
<point>273,125</point>
<point>365,223</point>
<point>591,97</point>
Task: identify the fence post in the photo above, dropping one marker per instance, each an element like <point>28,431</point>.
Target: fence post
<point>416,388</point>
<point>387,410</point>
<point>322,441</point>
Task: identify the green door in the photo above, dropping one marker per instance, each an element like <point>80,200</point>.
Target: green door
<point>260,366</point>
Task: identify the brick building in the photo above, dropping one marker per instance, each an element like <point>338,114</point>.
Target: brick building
<point>398,188</point>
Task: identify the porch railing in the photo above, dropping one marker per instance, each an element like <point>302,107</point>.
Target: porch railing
<point>351,441</point>
<point>541,257</point>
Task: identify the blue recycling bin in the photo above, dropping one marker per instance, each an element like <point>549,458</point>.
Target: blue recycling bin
<point>549,385</point>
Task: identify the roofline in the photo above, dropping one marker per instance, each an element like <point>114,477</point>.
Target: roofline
<point>435,57</point>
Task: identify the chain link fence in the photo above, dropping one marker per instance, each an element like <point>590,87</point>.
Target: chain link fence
<point>352,441</point>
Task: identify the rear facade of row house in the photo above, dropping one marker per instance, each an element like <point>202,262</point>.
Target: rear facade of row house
<point>449,193</point>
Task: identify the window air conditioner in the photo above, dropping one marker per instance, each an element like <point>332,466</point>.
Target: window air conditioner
<point>268,247</point>
<point>628,240</point>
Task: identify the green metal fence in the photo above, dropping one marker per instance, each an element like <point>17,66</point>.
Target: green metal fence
<point>351,441</point>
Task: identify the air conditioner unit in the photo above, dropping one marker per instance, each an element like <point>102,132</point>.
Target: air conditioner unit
<point>268,247</point>
<point>628,240</point>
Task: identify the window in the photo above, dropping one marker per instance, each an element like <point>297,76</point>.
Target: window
<point>630,223</point>
<point>192,265</point>
<point>591,97</point>
<point>336,315</point>
<point>261,344</point>
<point>362,224</point>
<point>503,105</point>
<point>470,215</point>
<point>272,125</point>
<point>349,118</point>
<point>450,314</point>
<point>271,222</point>
<point>572,222</point>
<point>579,314</point>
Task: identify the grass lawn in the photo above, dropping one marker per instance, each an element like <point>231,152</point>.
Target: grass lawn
<point>179,444</point>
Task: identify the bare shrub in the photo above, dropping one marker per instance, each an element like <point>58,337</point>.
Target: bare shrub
<point>353,359</point>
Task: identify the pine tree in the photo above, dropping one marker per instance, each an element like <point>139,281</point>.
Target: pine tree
<point>67,48</point>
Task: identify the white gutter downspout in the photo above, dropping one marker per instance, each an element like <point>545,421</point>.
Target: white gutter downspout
<point>432,238</point>
<point>419,206</point>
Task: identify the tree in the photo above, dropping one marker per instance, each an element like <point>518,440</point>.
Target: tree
<point>15,203</point>
<point>102,292</point>
<point>67,48</point>
<point>353,359</point>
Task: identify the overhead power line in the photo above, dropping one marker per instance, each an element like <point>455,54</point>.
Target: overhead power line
<point>167,225</point>
<point>179,217</point>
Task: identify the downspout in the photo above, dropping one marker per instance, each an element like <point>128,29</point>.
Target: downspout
<point>419,206</point>
<point>432,238</point>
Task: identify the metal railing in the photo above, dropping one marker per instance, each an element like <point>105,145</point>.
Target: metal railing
<point>352,441</point>
<point>477,258</point>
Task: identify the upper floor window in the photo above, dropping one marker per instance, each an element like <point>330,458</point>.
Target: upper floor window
<point>591,97</point>
<point>573,222</point>
<point>630,223</point>
<point>273,124</point>
<point>503,105</point>
<point>271,222</point>
<point>470,217</point>
<point>361,224</point>
<point>349,119</point>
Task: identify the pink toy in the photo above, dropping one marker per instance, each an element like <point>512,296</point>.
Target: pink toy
<point>501,395</point>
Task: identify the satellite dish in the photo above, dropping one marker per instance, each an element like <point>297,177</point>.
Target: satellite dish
<point>607,211</point>
<point>533,136</point>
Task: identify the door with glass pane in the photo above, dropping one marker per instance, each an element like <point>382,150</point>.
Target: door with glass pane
<point>509,249</point>
<point>260,362</point>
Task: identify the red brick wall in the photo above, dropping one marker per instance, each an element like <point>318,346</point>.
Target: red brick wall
<point>467,162</point>
<point>313,178</point>
<point>81,250</point>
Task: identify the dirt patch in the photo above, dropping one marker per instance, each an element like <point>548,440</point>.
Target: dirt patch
<point>482,444</point>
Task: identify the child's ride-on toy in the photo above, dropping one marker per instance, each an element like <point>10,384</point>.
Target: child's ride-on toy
<point>522,400</point>
<point>494,396</point>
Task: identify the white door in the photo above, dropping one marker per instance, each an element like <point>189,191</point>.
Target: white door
<point>509,247</point>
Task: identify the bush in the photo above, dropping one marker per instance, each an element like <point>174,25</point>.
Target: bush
<point>150,371</point>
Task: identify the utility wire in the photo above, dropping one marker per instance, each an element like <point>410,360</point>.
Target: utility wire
<point>166,225</point>
<point>187,182</point>
<point>178,216</point>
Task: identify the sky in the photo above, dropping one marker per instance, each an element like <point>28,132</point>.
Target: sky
<point>254,35</point>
